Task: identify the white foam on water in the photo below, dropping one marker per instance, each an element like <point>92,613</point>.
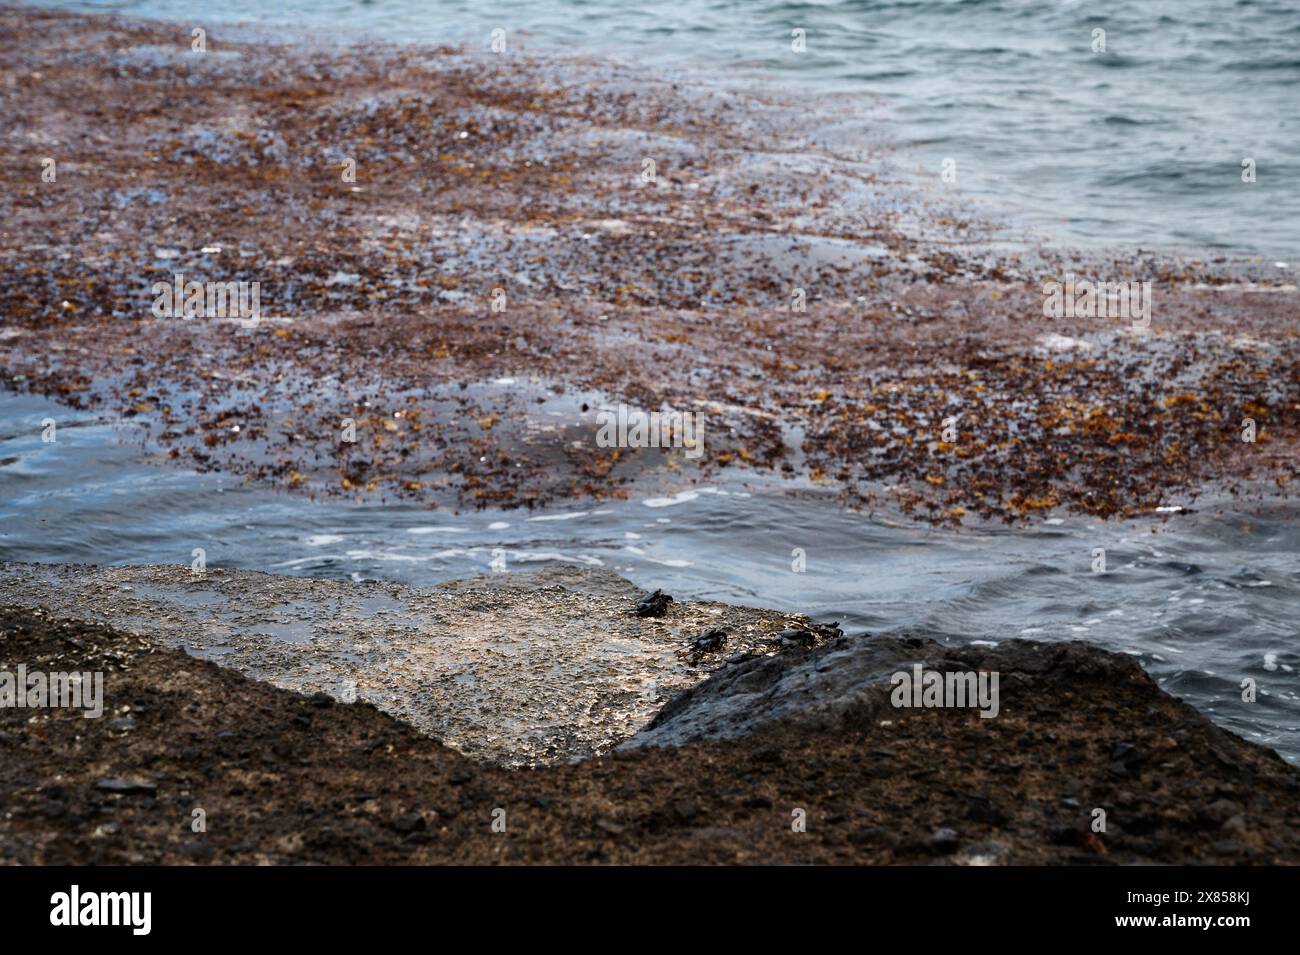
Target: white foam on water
<point>306,561</point>
<point>681,497</point>
<point>528,557</point>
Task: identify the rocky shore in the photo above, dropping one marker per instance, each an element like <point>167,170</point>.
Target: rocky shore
<point>462,261</point>
<point>196,763</point>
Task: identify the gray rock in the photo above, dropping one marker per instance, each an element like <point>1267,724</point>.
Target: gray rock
<point>819,689</point>
<point>813,688</point>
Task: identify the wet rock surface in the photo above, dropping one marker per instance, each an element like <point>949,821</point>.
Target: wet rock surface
<point>514,668</point>
<point>824,687</point>
<point>282,777</point>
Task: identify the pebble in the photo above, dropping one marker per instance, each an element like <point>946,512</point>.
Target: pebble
<point>945,840</point>
<point>126,787</point>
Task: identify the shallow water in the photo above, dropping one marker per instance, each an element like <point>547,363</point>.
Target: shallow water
<point>1139,145</point>
<point>1206,601</point>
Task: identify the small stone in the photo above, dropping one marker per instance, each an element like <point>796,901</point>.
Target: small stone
<point>944,840</point>
<point>198,851</point>
<point>653,605</point>
<point>1221,810</point>
<point>684,811</point>
<point>709,641</point>
<point>409,822</point>
<point>1125,757</point>
<point>795,636</point>
<point>126,787</point>
<point>983,854</point>
<point>865,836</point>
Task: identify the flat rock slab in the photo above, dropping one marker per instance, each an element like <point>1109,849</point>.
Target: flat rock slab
<point>512,668</point>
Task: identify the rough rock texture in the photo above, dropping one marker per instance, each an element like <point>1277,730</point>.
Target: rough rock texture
<point>285,778</point>
<point>848,681</point>
<point>513,668</point>
<point>813,690</point>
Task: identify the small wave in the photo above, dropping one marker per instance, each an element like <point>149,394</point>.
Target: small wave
<point>681,497</point>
